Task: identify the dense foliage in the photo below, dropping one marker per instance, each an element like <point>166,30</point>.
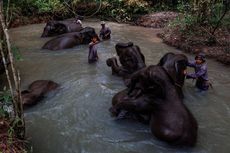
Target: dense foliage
<point>198,11</point>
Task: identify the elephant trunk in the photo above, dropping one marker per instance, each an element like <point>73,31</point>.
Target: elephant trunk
<point>112,62</point>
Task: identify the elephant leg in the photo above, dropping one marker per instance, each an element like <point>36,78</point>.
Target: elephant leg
<point>138,105</point>
<point>131,110</point>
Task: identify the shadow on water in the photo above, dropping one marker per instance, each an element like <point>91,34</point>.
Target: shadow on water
<point>75,119</point>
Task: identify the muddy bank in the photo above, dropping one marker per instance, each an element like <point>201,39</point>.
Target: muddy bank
<point>31,20</point>
<point>156,20</point>
<point>190,40</point>
<point>195,43</point>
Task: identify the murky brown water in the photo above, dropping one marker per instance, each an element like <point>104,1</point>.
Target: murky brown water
<point>76,119</point>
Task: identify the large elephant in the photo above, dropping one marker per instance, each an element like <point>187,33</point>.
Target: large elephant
<point>70,40</point>
<point>175,64</point>
<point>54,28</point>
<point>131,60</point>
<point>36,92</point>
<point>153,93</point>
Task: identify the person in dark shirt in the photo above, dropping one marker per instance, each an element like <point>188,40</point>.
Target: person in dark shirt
<point>105,32</point>
<point>200,74</point>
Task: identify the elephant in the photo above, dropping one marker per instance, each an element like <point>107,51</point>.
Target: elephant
<point>37,90</point>
<point>70,40</point>
<point>131,60</point>
<point>152,93</point>
<point>175,64</point>
<point>54,28</point>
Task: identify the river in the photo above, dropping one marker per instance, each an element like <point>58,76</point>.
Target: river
<point>75,119</point>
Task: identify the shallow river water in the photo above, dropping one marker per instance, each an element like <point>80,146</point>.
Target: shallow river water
<point>75,119</point>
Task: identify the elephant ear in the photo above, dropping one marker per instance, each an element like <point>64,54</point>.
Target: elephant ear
<point>175,66</point>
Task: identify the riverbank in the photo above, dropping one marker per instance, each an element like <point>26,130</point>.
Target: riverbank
<point>199,42</point>
<point>9,143</point>
<point>193,39</point>
<point>31,20</point>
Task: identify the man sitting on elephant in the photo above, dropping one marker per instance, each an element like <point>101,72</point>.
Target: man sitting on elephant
<point>131,60</point>
<point>78,20</point>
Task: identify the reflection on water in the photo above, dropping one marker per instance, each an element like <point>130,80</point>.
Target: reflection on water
<point>76,119</point>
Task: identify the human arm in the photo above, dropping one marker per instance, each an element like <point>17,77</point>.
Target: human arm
<point>199,73</point>
<point>93,43</point>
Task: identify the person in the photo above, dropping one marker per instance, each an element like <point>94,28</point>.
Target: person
<point>105,32</point>
<point>93,56</point>
<point>200,74</point>
<point>78,21</point>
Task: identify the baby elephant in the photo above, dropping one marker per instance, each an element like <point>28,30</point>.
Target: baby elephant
<point>36,92</point>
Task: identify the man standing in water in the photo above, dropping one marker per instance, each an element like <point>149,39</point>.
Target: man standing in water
<point>201,74</point>
<point>105,31</point>
<point>93,56</point>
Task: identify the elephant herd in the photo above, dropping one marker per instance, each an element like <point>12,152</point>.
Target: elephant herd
<point>153,94</point>
<point>68,34</point>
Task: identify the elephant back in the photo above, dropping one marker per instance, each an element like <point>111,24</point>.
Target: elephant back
<point>41,87</point>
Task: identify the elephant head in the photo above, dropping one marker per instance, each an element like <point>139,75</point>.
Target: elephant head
<point>175,64</point>
<point>130,56</point>
<point>54,28</point>
<point>88,33</point>
<point>151,81</point>
<point>36,92</point>
<point>29,99</point>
